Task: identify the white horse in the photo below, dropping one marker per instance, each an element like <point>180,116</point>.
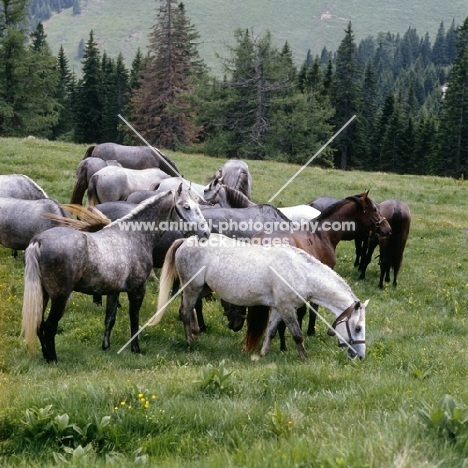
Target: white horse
<point>113,183</point>
<point>282,278</point>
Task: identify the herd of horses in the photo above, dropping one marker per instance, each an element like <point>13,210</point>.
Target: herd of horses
<point>266,270</point>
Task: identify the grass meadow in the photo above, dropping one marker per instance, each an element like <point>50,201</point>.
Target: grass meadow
<point>212,405</point>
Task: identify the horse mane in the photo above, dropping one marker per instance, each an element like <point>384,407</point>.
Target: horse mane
<point>327,212</point>
<point>243,182</point>
<point>140,207</point>
<point>236,198</point>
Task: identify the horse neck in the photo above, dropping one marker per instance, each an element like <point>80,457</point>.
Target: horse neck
<point>151,212</point>
<point>344,213</point>
<point>329,290</point>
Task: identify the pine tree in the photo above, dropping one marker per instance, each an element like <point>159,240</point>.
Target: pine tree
<point>65,98</point>
<point>28,75</point>
<point>439,49</point>
<point>42,82</point>
<point>89,94</point>
<point>347,98</point>
<point>453,130</point>
<point>161,111</point>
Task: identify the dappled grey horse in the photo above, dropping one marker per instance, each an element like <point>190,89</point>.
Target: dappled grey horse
<point>282,278</point>
<point>133,157</point>
<point>85,170</point>
<point>113,260</point>
<point>113,183</point>
<point>21,220</point>
<point>235,174</point>
<point>20,186</point>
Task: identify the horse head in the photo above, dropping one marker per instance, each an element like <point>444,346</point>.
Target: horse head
<point>236,315</point>
<point>371,217</point>
<point>350,328</point>
<point>188,210</point>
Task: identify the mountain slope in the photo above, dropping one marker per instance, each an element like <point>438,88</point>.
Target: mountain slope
<point>123,25</point>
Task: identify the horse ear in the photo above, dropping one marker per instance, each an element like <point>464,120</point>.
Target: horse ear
<point>365,303</point>
<point>179,190</point>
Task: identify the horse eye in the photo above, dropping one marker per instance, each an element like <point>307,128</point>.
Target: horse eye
<point>186,206</point>
<point>358,329</point>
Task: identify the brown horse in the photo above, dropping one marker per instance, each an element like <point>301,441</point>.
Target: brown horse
<point>391,247</point>
<point>327,230</point>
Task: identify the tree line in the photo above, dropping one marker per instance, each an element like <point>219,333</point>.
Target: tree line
<point>408,95</point>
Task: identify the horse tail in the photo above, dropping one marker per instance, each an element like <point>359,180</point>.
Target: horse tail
<point>81,184</point>
<point>89,151</point>
<point>93,198</point>
<point>257,321</point>
<point>33,299</point>
<point>168,275</point>
<point>397,240</point>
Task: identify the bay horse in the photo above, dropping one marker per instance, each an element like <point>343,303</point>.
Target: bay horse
<point>391,247</point>
<point>113,183</point>
<point>359,236</point>
<point>235,174</point>
<point>20,186</point>
<point>113,260</point>
<point>281,278</point>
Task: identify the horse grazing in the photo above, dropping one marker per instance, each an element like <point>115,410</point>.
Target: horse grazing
<point>113,183</point>
<point>85,170</point>
<point>133,157</point>
<point>113,260</point>
<point>391,247</point>
<point>321,240</point>
<point>20,186</point>
<point>281,278</point>
<point>235,174</point>
<point>21,220</point>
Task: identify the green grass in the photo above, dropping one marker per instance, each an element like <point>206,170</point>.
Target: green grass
<point>177,406</point>
<point>123,25</point>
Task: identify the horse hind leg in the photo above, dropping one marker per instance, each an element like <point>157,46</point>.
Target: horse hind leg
<point>296,333</point>
<point>48,328</point>
<point>109,321</point>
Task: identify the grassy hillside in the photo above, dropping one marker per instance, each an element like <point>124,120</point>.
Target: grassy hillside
<point>123,25</point>
<point>174,406</point>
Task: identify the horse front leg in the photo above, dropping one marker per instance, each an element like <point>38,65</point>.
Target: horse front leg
<point>135,299</point>
<point>48,328</point>
<point>289,317</point>
<point>109,321</point>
